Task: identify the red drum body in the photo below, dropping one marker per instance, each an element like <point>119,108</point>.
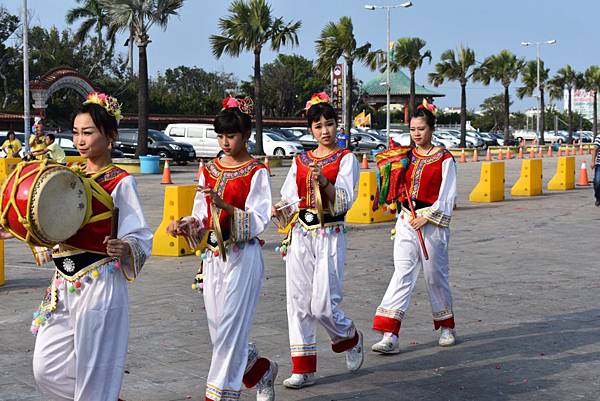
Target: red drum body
<point>43,203</point>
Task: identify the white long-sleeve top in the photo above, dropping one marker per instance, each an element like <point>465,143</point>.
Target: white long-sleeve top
<point>440,212</point>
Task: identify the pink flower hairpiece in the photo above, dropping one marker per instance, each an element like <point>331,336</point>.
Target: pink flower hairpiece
<point>245,105</point>
<point>317,98</point>
<point>428,106</point>
<point>109,103</point>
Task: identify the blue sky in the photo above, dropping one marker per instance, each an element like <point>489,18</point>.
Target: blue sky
<point>487,26</point>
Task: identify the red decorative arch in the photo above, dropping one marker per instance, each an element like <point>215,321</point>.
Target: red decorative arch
<point>54,80</point>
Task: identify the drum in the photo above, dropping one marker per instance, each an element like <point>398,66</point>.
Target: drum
<point>43,203</point>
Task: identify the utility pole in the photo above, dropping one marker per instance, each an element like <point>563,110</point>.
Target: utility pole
<point>26,100</point>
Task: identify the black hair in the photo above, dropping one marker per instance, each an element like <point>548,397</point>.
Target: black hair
<point>51,136</point>
<point>320,110</point>
<point>105,122</point>
<point>427,115</point>
<point>10,131</point>
<point>231,121</point>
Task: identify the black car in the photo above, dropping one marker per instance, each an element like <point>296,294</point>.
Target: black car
<point>159,144</point>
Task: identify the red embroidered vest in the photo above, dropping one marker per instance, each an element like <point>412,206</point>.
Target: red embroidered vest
<point>424,175</point>
<point>330,166</point>
<point>91,236</point>
<point>232,184</point>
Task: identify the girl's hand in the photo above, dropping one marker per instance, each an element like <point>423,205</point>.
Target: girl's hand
<point>117,247</point>
<point>418,222</point>
<point>4,235</point>
<point>174,228</point>
<point>316,170</point>
<point>215,199</point>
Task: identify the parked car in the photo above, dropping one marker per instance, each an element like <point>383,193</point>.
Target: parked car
<point>65,141</point>
<point>472,139</point>
<point>298,131</point>
<point>308,142</point>
<point>500,139</point>
<point>286,133</point>
<point>367,141</point>
<point>276,145</point>
<point>449,141</point>
<point>488,139</point>
<point>159,144</point>
<point>201,136</point>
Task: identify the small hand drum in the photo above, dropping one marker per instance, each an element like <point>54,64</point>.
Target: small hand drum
<point>43,203</point>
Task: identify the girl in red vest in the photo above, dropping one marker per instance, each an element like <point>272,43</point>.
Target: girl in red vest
<point>319,190</point>
<point>431,181</point>
<point>234,190</point>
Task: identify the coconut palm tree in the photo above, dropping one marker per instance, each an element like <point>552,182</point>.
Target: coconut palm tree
<point>529,80</point>
<point>566,79</point>
<point>459,67</point>
<point>250,26</point>
<point>407,54</point>
<point>591,82</point>
<point>94,19</point>
<point>136,17</point>
<point>505,68</point>
<point>337,41</point>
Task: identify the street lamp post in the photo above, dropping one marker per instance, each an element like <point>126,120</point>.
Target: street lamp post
<point>388,84</point>
<point>26,106</point>
<point>538,90</point>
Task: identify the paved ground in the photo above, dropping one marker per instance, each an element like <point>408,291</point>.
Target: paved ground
<point>524,273</point>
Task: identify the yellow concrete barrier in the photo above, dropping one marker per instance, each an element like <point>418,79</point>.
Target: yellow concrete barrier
<point>179,200</point>
<point>530,181</point>
<point>564,179</point>
<point>490,187</point>
<point>362,210</point>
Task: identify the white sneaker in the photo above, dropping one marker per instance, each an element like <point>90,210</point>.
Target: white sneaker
<point>388,345</point>
<point>265,389</point>
<point>299,380</point>
<point>447,337</point>
<point>355,355</point>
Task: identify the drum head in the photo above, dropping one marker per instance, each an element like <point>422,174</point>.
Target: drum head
<point>58,205</point>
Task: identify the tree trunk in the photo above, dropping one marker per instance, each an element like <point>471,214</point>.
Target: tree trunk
<point>348,116</point>
<point>142,145</point>
<point>570,119</point>
<point>258,104</point>
<point>595,120</point>
<point>506,116</point>
<point>463,114</point>
<point>542,117</point>
<point>413,104</point>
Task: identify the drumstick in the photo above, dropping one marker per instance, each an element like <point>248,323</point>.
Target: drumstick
<point>414,215</point>
<point>289,204</point>
<point>114,224</point>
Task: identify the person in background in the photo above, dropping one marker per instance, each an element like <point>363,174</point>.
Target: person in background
<point>595,162</point>
<point>37,143</point>
<point>53,150</point>
<point>11,146</point>
<point>342,138</point>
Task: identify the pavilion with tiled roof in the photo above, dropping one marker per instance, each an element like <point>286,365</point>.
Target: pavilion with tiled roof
<point>375,94</point>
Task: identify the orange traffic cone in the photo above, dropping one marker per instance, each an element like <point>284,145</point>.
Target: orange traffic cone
<point>573,150</point>
<point>166,177</point>
<point>500,154</point>
<point>540,152</point>
<point>580,149</point>
<point>520,153</point>
<point>475,157</point>
<point>200,168</point>
<point>365,163</point>
<point>559,154</point>
<point>508,154</point>
<point>266,163</point>
<point>583,176</point>
<point>463,157</point>
<point>488,155</point>
<point>550,150</point>
<point>531,153</point>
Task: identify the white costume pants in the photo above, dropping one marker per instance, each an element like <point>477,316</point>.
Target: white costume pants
<point>408,260</point>
<point>231,293</point>
<point>80,351</point>
<point>314,286</point>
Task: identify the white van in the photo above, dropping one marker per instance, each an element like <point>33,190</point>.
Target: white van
<point>201,136</point>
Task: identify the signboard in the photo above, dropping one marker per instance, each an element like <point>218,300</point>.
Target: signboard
<point>337,86</point>
<point>583,102</point>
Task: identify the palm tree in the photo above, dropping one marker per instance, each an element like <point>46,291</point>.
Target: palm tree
<point>529,79</point>
<point>505,68</point>
<point>407,53</point>
<point>337,40</point>
<point>566,79</point>
<point>94,19</point>
<point>456,67</point>
<point>250,26</point>
<point>136,17</point>
<point>592,83</point>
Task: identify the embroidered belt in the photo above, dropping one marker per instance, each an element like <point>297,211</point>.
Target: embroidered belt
<point>309,219</point>
<point>417,204</point>
<point>211,241</point>
<point>73,266</point>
